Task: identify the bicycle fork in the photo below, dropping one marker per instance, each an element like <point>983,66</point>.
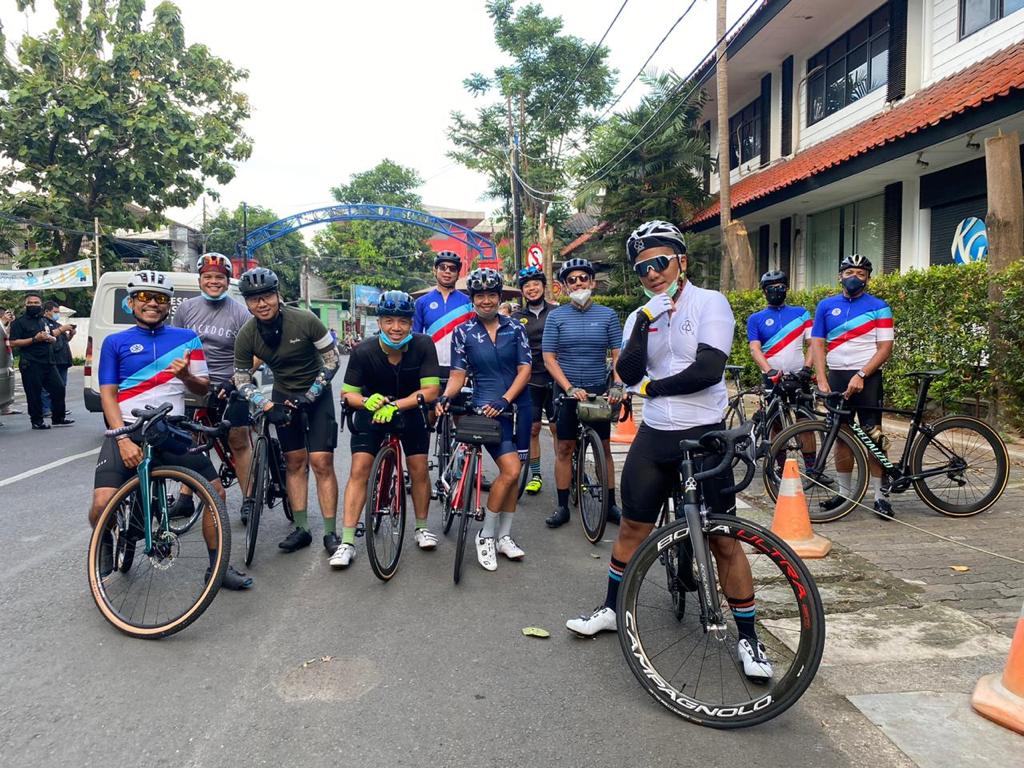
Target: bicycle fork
<point>711,616</point>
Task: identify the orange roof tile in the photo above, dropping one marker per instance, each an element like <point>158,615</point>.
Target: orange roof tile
<point>989,79</point>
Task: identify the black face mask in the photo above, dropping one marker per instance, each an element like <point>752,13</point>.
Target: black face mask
<point>776,295</point>
<point>853,285</point>
<point>33,311</point>
<point>270,332</point>
<point>536,302</point>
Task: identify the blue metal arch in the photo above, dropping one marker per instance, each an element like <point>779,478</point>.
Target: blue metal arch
<point>368,212</point>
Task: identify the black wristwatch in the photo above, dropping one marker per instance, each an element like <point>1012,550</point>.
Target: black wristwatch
<point>862,374</point>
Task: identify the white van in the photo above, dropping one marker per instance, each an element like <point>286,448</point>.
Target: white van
<point>110,314</point>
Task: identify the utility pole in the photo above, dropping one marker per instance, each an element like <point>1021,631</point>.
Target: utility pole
<point>96,245</point>
<point>724,188</point>
<point>204,224</point>
<point>245,236</point>
<point>517,224</point>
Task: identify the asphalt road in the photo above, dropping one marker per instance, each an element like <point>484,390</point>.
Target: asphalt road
<point>414,672</point>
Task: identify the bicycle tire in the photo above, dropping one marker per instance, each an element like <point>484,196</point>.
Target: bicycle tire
<point>467,510</point>
<point>443,449</point>
<point>100,584</point>
<point>385,512</point>
<point>593,506</point>
<point>258,480</point>
<point>821,484</point>
<point>124,541</point>
<point>961,477</point>
<point>574,496</point>
<point>797,611</point>
<point>448,500</point>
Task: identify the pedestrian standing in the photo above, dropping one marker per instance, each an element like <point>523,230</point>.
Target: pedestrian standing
<point>31,336</point>
<point>6,318</point>
<point>63,333</point>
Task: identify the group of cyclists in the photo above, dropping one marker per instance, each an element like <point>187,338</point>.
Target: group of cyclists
<point>538,363</point>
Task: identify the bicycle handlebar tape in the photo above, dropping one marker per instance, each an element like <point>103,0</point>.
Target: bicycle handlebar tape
<point>792,520</point>
<point>1000,698</point>
<point>625,431</point>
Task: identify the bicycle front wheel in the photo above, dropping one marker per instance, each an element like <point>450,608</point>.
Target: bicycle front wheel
<point>467,509</point>
<point>696,670</point>
<point>591,484</point>
<point>385,513</point>
<point>966,464</point>
<point>258,481</point>
<point>153,595</point>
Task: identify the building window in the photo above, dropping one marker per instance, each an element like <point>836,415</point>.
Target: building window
<point>855,228</point>
<point>851,67</point>
<point>745,134</point>
<point>975,14</point>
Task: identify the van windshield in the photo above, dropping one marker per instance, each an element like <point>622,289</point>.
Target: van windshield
<point>123,315</point>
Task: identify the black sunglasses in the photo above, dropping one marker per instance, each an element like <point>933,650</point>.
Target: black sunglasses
<point>658,264</point>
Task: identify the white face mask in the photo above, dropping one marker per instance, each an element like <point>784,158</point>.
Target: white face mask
<point>581,297</point>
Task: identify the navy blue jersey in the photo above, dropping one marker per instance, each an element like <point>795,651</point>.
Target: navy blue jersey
<point>493,365</point>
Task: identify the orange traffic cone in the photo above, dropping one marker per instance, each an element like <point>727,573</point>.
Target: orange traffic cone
<point>1000,698</point>
<point>792,521</point>
<point>624,431</point>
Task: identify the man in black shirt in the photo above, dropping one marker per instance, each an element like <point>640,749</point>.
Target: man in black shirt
<point>31,336</point>
<point>63,333</point>
<point>384,376</point>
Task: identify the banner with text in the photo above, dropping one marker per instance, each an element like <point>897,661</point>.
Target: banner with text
<point>76,274</point>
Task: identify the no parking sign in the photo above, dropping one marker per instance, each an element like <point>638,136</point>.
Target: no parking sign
<point>535,256</point>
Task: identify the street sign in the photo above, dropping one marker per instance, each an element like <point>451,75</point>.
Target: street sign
<point>535,256</point>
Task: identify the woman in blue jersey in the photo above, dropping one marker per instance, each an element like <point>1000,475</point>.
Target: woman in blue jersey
<point>494,349</point>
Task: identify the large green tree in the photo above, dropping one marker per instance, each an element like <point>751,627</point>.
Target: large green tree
<point>106,110</point>
<point>375,252</point>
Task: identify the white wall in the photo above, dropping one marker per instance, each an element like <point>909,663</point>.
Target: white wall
<point>836,123</point>
<point>949,54</point>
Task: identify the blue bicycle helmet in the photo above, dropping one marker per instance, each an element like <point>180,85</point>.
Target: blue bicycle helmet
<point>526,274</point>
<point>572,265</point>
<point>395,304</point>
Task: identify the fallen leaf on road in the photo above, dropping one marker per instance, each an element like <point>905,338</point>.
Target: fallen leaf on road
<point>960,568</point>
<point>595,555</point>
<point>535,632</point>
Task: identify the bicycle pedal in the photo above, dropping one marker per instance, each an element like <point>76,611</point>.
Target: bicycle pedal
<point>360,529</point>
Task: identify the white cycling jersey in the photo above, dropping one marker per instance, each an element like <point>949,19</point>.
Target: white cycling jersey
<point>701,316</point>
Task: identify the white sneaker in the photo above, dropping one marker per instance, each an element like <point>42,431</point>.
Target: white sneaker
<point>485,553</point>
<point>601,620</point>
<point>343,556</point>
<point>755,661</point>
<point>510,549</point>
<point>425,539</point>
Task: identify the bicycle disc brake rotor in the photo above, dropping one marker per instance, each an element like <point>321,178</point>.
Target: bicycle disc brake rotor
<point>166,549</point>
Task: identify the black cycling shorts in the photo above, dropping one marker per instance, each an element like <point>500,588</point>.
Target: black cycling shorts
<point>112,473</point>
<point>236,413</point>
<point>542,398</point>
<point>313,428</point>
<point>565,428</point>
<point>865,404</point>
<point>651,472</point>
<point>413,433</point>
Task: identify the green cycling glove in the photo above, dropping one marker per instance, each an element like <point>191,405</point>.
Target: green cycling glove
<point>384,414</point>
<point>373,402</point>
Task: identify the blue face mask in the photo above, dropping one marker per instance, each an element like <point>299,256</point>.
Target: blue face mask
<point>387,342</point>
<point>208,297</point>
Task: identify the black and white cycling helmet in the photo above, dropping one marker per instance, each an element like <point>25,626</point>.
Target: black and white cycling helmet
<point>574,265</point>
<point>449,257</point>
<point>258,280</point>
<point>654,234</point>
<point>484,281</point>
<point>151,281</point>
<point>855,261</point>
<point>774,276</point>
<point>395,304</point>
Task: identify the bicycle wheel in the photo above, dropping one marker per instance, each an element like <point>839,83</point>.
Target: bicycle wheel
<point>591,482</point>
<point>385,513</point>
<point>442,449</point>
<point>824,486</point>
<point>126,532</point>
<point>258,480</point>
<point>448,497</point>
<point>467,510</point>
<point>969,462</point>
<point>524,478</point>
<point>162,592</point>
<point>574,490</point>
<point>694,670</point>
<point>278,479</point>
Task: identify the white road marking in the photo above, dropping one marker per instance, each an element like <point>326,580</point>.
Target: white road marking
<point>45,467</point>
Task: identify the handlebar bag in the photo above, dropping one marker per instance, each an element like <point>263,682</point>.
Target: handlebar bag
<point>477,429</point>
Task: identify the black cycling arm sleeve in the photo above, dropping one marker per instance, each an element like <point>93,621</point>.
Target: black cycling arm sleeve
<point>706,370</point>
<point>632,365</point>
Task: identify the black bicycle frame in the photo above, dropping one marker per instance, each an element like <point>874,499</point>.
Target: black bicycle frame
<point>711,615</point>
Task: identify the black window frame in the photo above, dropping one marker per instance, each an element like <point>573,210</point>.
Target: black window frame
<point>997,11</point>
<point>748,118</point>
<point>869,38</point>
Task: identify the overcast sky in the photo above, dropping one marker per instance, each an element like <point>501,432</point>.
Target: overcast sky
<point>335,87</point>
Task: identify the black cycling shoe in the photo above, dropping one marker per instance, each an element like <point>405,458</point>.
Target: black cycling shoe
<point>296,540</point>
<point>834,503</point>
<point>884,508</point>
<point>246,510</point>
<point>558,519</point>
<point>236,580</point>
<point>66,422</point>
<point>41,425</point>
<point>614,514</point>
<point>183,507</point>
<point>331,543</point>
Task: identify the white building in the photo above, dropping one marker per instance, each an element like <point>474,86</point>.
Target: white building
<point>858,127</point>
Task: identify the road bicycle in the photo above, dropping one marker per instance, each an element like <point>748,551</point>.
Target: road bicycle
<point>385,511</point>
<point>779,406</point>
<point>150,574</point>
<point>267,477</point>
<point>957,465</point>
<point>588,484</point>
<point>675,627</point>
<point>460,486</point>
<point>209,417</point>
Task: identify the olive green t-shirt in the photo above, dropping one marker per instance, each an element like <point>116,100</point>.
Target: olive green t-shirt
<point>296,361</point>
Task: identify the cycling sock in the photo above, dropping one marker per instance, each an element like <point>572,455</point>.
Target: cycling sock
<point>490,524</point>
<point>348,535</point>
<point>563,497</point>
<point>611,497</point>
<point>809,457</point>
<point>876,486</point>
<point>421,524</point>
<point>845,483</point>
<point>330,525</point>
<point>505,524</point>
<point>213,557</point>
<point>744,612</point>
<point>615,569</point>
<point>300,518</point>
<point>535,466</point>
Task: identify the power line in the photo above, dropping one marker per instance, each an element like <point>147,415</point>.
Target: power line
<point>534,189</point>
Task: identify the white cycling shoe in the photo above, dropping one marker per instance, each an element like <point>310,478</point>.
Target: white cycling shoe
<point>425,539</point>
<point>755,661</point>
<point>486,554</point>
<point>343,556</point>
<point>601,620</point>
<point>508,547</point>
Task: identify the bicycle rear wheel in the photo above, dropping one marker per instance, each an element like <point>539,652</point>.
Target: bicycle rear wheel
<point>442,450</point>
<point>157,594</point>
<point>448,496</point>
<point>695,671</point>
<point>467,510</point>
<point>258,480</point>
<point>970,463</point>
<point>385,513</point>
<point>278,478</point>
<point>591,484</point>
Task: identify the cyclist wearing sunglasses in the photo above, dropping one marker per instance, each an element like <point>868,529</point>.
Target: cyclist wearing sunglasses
<point>675,354</point>
<point>439,312</point>
<point>577,339</point>
<point>532,282</point>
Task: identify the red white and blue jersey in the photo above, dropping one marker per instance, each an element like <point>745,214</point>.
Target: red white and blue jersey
<point>852,329</point>
<point>781,332</point>
<point>138,361</point>
<point>437,317</point>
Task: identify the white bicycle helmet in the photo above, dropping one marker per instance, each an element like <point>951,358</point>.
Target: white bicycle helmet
<point>654,234</point>
<point>150,280</point>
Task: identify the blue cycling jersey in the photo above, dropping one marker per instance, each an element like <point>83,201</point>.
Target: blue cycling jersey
<point>781,332</point>
<point>437,317</point>
<point>493,365</point>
